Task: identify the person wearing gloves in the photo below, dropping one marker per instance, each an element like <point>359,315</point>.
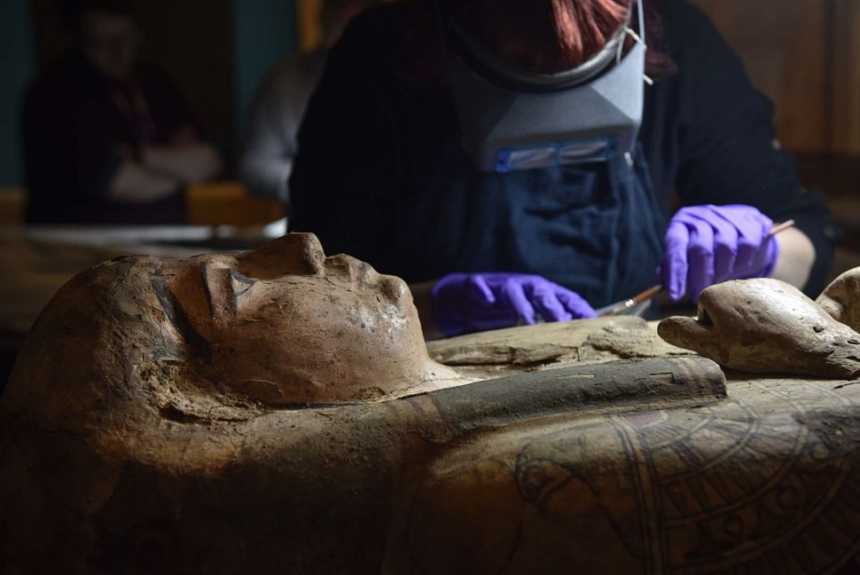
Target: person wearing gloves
<point>520,161</point>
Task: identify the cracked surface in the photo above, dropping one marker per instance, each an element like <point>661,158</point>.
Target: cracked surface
<point>552,345</point>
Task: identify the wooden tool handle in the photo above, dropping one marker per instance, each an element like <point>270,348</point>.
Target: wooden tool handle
<point>646,295</point>
<point>780,228</point>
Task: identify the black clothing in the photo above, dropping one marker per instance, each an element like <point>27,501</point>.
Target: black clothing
<point>77,126</point>
<point>380,173</point>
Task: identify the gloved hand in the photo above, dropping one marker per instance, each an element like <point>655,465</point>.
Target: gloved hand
<point>464,303</point>
<point>710,244</point>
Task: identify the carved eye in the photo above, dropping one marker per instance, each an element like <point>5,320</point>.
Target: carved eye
<point>240,283</point>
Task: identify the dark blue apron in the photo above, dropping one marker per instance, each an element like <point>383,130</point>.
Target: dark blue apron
<point>596,230</point>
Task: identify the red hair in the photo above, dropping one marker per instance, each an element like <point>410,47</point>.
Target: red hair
<point>544,36</point>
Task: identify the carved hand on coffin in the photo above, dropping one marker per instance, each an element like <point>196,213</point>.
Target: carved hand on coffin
<point>841,299</point>
<point>766,326</point>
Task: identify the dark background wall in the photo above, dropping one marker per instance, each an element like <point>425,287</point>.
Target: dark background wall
<point>805,55</point>
<point>264,31</point>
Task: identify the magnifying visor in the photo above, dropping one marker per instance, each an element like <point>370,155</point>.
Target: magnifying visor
<point>513,120</point>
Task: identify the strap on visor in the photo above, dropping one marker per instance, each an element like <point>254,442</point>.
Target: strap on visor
<point>494,70</point>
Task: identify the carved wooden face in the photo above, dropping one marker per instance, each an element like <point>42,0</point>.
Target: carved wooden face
<point>286,325</point>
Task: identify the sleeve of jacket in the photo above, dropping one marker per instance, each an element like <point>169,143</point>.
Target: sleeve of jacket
<point>345,174</point>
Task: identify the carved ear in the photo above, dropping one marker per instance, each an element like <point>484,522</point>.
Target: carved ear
<point>196,343</point>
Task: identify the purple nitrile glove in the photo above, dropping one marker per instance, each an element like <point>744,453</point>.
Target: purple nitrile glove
<point>464,303</point>
<point>710,244</point>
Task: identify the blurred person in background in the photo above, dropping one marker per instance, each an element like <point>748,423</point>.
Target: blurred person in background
<point>107,138</point>
<point>277,111</point>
